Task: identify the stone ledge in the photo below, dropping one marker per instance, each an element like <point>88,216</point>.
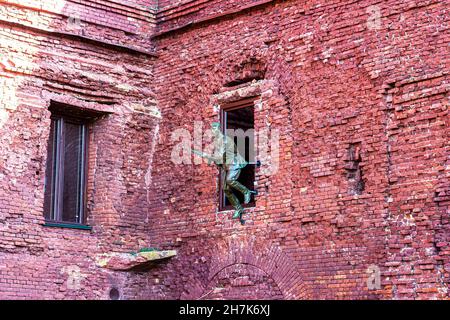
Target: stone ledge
<point>133,262</point>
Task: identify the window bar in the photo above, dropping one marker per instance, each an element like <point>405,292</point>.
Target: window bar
<point>56,169</point>
<point>80,209</point>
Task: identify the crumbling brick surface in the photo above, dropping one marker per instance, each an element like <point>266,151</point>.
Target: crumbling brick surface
<point>357,91</point>
<point>344,75</point>
<point>90,66</point>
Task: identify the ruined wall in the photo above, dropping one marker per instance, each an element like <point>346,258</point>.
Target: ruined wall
<point>94,55</point>
<point>358,92</point>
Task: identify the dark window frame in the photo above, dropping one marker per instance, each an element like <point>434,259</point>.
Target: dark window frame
<point>233,106</point>
<point>54,212</point>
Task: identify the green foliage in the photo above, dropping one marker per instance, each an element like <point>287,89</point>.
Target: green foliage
<point>147,250</point>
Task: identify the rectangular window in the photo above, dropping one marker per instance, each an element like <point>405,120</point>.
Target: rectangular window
<point>65,181</point>
<point>237,121</point>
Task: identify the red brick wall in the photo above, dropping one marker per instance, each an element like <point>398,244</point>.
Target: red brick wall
<point>175,14</point>
<point>348,93</point>
<point>342,80</point>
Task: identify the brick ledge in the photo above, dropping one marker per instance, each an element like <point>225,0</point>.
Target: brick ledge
<point>133,261</point>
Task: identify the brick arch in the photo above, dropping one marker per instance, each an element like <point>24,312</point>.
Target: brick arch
<point>257,283</point>
<point>247,251</point>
